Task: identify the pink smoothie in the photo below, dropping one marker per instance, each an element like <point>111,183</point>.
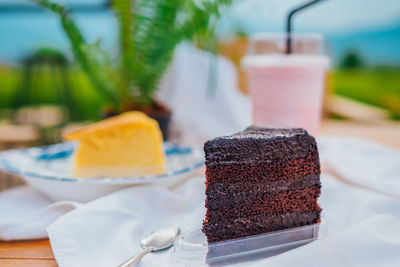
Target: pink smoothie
<point>286,90</point>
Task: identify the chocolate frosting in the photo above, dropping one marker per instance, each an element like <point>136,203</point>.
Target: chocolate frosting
<point>268,172</point>
<point>238,206</point>
<point>258,224</point>
<point>259,146</point>
<point>242,189</point>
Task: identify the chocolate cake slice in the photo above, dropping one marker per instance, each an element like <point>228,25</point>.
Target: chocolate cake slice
<point>260,180</point>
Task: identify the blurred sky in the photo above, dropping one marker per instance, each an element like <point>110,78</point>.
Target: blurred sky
<point>328,16</point>
<point>371,27</point>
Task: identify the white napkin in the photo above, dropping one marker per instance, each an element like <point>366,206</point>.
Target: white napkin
<point>25,213</point>
<point>362,163</point>
<point>363,227</point>
<point>107,231</point>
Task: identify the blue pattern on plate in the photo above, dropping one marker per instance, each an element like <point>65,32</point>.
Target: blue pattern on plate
<point>63,151</point>
<point>54,152</point>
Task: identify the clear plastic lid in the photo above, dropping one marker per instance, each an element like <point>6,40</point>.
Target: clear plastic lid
<point>191,248</point>
<point>277,60</point>
<point>268,50</point>
<point>275,43</point>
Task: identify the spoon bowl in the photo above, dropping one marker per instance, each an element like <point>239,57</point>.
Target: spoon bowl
<point>159,239</point>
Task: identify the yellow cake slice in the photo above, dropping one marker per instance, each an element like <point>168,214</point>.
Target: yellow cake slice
<point>126,145</point>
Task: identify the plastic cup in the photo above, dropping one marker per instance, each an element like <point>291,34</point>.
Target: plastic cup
<point>286,89</point>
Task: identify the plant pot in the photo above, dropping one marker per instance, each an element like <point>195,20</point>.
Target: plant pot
<point>158,111</point>
<point>163,119</point>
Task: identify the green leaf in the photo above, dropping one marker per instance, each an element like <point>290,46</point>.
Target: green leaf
<point>89,64</point>
<point>123,12</point>
<point>149,31</point>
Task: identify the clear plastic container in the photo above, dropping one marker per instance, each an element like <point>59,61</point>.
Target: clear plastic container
<point>191,248</point>
<point>286,89</point>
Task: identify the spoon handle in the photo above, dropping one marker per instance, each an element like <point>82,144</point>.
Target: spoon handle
<point>137,257</point>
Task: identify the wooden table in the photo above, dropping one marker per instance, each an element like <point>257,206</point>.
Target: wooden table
<point>39,254</point>
<point>386,132</point>
<point>26,253</point>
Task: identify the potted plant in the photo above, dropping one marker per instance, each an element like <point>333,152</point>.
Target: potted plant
<point>149,31</point>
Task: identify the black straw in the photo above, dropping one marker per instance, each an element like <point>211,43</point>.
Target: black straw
<point>289,24</point>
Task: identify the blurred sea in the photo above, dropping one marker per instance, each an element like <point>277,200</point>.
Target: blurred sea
<point>22,33</point>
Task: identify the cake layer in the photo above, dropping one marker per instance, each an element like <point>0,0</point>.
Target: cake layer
<point>126,145</point>
<point>254,148</point>
<point>256,173</point>
<point>117,171</point>
<point>249,204</point>
<point>258,224</point>
<point>226,190</point>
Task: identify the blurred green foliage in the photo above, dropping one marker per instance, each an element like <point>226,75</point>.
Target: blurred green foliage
<point>351,60</point>
<point>376,86</point>
<point>87,100</point>
<point>379,87</point>
<point>149,31</point>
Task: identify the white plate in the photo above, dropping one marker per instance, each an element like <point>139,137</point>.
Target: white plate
<point>49,170</point>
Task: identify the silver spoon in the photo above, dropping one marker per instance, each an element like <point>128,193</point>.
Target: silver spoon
<point>160,239</point>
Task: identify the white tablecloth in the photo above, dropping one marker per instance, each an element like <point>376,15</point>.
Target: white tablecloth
<point>363,225</point>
